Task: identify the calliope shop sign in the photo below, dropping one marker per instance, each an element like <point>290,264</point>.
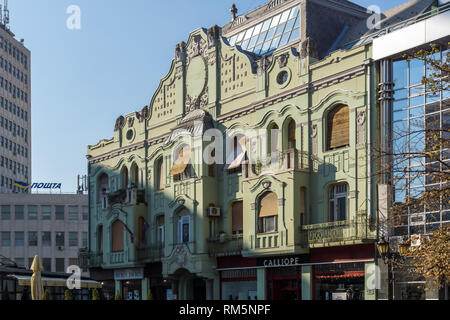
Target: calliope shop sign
<point>282,262</point>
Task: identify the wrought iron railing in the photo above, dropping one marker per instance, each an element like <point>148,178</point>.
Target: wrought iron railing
<point>150,253</point>
<point>290,159</point>
<point>361,228</point>
<point>226,245</point>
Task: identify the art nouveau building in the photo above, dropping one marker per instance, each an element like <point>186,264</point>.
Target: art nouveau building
<point>300,222</point>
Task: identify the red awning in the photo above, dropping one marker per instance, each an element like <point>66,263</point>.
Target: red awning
<point>346,274</point>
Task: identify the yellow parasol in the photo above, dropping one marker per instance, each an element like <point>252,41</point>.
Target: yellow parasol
<point>37,287</point>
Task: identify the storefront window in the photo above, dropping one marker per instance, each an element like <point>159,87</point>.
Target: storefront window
<point>339,281</point>
<point>239,285</point>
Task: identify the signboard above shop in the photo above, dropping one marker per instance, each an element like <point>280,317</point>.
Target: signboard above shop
<point>282,261</point>
<point>129,274</point>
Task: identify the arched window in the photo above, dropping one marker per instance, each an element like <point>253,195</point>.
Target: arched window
<point>237,218</point>
<point>100,239</point>
<point>338,128</point>
<point>238,154</point>
<point>184,224</point>
<point>291,135</point>
<point>272,139</point>
<point>142,231</point>
<point>338,203</point>
<point>161,229</point>
<point>103,186</point>
<point>135,175</point>
<point>159,174</point>
<point>124,178</point>
<point>268,213</point>
<point>181,169</point>
<point>117,236</point>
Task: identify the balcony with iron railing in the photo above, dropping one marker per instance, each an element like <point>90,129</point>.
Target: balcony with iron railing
<point>277,162</point>
<point>150,254</point>
<point>89,259</point>
<point>130,196</point>
<point>360,230</point>
<point>225,245</point>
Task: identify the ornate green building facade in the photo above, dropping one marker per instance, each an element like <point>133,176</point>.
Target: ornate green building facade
<point>297,222</point>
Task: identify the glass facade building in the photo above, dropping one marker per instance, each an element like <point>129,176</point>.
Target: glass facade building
<point>418,114</point>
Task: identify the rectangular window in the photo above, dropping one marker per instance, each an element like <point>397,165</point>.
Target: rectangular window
<point>85,213</point>
<point>183,229</point>
<point>47,264</point>
<point>6,239</point>
<point>46,239</point>
<point>161,229</point>
<point>46,212</point>
<point>19,239</point>
<point>32,212</point>
<point>60,241</point>
<point>60,265</point>
<point>73,239</point>
<point>19,212</point>
<point>338,199</point>
<point>32,239</point>
<point>85,240</point>
<point>59,212</point>
<point>268,224</point>
<point>6,212</point>
<point>73,213</point>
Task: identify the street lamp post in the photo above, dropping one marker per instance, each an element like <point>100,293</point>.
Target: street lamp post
<point>389,256</point>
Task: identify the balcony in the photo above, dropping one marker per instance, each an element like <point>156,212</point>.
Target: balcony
<point>150,254</point>
<point>118,257</point>
<point>131,196</point>
<point>117,197</point>
<point>225,246</point>
<point>277,163</point>
<point>360,230</point>
<point>90,259</point>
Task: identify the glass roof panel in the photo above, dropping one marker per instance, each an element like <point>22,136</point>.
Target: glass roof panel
<point>248,34</point>
<point>294,12</point>
<point>257,29</point>
<point>259,38</point>
<point>285,16</point>
<point>275,21</point>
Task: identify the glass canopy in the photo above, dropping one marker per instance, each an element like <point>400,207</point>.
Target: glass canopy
<point>270,34</point>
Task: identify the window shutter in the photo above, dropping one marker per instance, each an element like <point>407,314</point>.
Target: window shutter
<point>117,236</point>
<point>338,128</point>
<point>269,205</point>
<point>237,217</point>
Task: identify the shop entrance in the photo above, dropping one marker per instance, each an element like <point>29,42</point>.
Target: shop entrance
<point>284,283</point>
<point>132,290</point>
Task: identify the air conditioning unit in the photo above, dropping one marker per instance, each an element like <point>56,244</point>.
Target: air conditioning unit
<point>416,240</point>
<point>213,212</point>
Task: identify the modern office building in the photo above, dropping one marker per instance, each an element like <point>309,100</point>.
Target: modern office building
<point>15,111</point>
<point>54,227</point>
<point>410,113</point>
<point>287,215</point>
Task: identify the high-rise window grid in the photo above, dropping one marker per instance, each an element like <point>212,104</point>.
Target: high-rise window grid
<point>416,111</point>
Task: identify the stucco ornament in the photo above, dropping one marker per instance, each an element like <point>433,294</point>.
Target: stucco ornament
<point>283,60</point>
<point>119,123</point>
<point>196,74</point>
<point>181,256</point>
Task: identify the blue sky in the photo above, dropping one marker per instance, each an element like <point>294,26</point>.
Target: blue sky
<point>82,80</point>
